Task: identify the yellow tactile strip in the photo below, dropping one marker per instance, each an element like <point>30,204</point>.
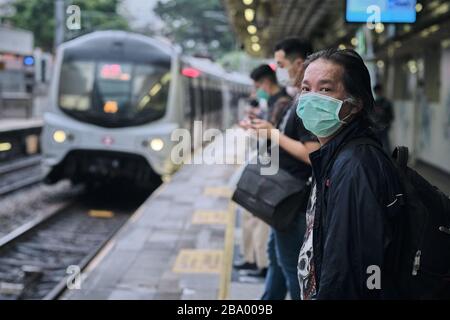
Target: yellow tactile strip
<point>218,192</point>
<point>212,261</point>
<point>198,261</point>
<point>210,217</point>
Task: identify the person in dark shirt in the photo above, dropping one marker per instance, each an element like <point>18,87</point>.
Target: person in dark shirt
<point>295,145</point>
<point>384,114</point>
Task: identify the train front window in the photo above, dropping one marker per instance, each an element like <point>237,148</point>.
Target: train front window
<point>113,94</point>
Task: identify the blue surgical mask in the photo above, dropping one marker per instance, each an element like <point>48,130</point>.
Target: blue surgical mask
<point>262,95</point>
<point>320,114</point>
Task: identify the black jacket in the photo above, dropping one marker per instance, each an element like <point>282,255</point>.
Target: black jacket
<point>355,218</point>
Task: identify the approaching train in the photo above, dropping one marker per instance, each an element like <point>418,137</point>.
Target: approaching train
<point>116,98</point>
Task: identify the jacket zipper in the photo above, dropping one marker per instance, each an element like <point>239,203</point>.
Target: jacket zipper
<point>416,265</point>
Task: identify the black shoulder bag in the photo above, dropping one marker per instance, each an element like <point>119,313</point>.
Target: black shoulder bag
<point>276,199</point>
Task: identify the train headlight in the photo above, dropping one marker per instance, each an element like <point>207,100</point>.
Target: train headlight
<point>59,136</point>
<point>157,144</point>
<point>5,146</point>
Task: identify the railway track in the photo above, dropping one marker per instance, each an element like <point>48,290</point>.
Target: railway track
<point>35,259</point>
<point>19,174</point>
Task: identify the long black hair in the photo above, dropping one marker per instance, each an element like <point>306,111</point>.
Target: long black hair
<point>356,78</point>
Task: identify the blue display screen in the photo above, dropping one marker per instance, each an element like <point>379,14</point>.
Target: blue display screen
<point>28,61</point>
<point>385,11</point>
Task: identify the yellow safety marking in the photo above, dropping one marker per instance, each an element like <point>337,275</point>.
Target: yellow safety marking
<point>218,192</point>
<point>198,261</point>
<point>225,275</point>
<point>101,213</point>
<point>210,217</point>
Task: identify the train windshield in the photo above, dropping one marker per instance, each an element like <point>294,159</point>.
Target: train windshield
<point>114,94</point>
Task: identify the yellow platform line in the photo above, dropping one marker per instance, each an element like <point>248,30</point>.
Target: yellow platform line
<point>225,276</point>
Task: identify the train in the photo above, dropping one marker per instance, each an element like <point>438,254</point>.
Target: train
<point>115,99</point>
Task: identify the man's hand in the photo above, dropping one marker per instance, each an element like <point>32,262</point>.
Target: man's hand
<point>253,113</point>
<point>245,124</point>
<point>260,125</point>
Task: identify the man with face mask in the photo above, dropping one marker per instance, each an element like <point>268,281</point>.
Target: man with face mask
<point>295,145</point>
<point>265,82</point>
<point>289,57</point>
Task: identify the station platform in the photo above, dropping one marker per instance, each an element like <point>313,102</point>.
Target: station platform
<point>9,125</point>
<point>180,244</point>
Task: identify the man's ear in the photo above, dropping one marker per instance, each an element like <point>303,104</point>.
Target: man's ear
<point>299,63</point>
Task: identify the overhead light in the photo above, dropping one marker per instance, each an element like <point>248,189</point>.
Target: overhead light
<point>354,41</point>
<point>254,38</point>
<point>342,46</point>
<point>433,4</point>
<point>379,27</point>
<point>155,89</point>
<point>247,2</point>
<point>249,15</point>
<point>412,65</point>
<point>5,146</point>
<point>166,78</point>
<point>445,43</point>
<point>146,99</point>
<point>157,144</point>
<point>256,47</point>
<point>341,33</point>
<point>252,29</point>
<point>419,7</point>
<point>59,136</point>
<point>443,8</point>
<point>380,64</point>
<point>434,28</point>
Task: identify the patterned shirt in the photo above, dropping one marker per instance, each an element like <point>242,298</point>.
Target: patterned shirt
<point>306,270</point>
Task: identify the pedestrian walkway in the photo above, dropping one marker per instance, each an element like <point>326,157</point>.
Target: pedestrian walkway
<point>8,125</point>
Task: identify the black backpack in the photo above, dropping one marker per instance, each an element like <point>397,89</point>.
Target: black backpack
<point>422,249</point>
<point>425,254</point>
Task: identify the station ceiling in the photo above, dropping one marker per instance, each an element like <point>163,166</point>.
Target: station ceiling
<point>259,24</point>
